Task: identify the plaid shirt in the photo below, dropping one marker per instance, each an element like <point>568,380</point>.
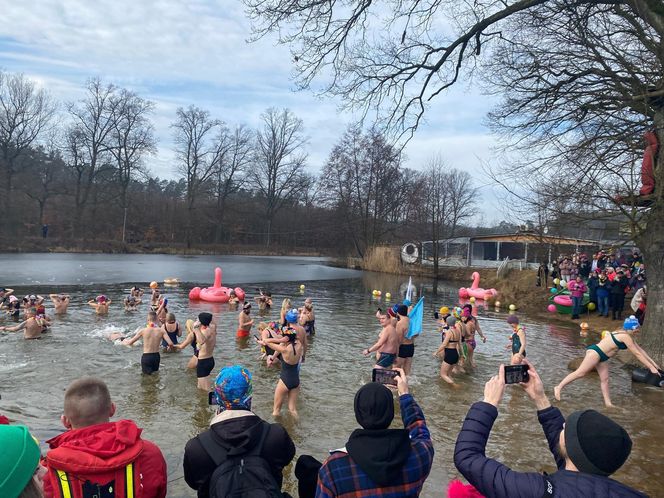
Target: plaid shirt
<point>341,477</point>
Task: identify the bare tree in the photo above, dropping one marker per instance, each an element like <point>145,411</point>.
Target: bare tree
<point>278,172</point>
<point>88,141</point>
<point>237,155</point>
<point>25,113</point>
<point>45,177</point>
<point>131,139</point>
<point>363,181</point>
<point>199,144</point>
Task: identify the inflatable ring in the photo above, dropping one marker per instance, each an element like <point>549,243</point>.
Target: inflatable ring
<point>410,253</point>
<point>171,281</point>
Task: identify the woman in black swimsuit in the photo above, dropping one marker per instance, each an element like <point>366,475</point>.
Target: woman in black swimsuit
<point>450,346</point>
<point>288,385</point>
<point>172,328</point>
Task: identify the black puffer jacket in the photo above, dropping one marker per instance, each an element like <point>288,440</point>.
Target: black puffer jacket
<point>238,431</point>
<point>495,480</point>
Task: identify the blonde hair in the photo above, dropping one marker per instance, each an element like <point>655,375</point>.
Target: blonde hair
<point>285,304</point>
<point>262,326</point>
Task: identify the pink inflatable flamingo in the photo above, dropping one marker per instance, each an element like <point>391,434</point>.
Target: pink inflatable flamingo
<point>476,291</point>
<point>216,293</point>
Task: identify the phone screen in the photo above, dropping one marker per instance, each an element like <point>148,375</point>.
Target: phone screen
<point>516,373</point>
<point>384,376</point>
<point>211,399</point>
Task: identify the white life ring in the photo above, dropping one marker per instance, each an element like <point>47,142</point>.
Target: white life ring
<point>410,253</point>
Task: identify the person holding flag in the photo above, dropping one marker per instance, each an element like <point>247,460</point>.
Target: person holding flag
<point>409,325</point>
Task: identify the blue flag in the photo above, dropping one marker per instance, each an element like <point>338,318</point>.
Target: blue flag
<point>416,316</point>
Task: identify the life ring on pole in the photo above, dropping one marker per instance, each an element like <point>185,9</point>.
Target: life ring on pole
<point>410,253</point>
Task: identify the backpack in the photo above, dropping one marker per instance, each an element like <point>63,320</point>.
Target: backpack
<point>119,482</point>
<point>241,476</point>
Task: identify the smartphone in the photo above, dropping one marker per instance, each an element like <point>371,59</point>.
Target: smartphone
<point>384,376</point>
<point>211,398</point>
<point>516,373</point>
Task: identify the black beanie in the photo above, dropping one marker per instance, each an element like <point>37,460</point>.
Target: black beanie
<point>402,310</point>
<point>374,407</point>
<point>205,318</point>
<point>595,443</point>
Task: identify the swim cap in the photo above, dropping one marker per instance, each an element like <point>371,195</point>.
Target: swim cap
<point>101,298</point>
<point>18,460</point>
<point>205,318</point>
<point>444,310</point>
<point>513,319</point>
<point>233,388</point>
<point>246,306</point>
<point>450,321</point>
<point>595,443</point>
<point>406,302</point>
<point>393,311</point>
<point>13,299</point>
<point>631,323</point>
<point>292,316</point>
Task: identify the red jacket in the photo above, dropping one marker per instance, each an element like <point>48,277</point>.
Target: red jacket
<point>110,454</point>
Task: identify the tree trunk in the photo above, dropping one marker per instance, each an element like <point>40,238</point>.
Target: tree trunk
<point>651,243</point>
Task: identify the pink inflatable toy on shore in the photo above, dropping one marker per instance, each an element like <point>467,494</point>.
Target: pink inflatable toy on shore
<point>216,293</point>
<point>476,291</point>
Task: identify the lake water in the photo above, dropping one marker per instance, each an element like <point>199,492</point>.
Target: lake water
<point>34,374</point>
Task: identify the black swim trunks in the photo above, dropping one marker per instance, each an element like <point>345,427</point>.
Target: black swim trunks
<point>406,350</point>
<point>150,363</point>
<point>204,367</point>
<point>386,360</point>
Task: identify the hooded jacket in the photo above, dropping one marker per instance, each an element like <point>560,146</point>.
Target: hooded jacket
<point>238,431</point>
<point>101,453</point>
<point>495,480</point>
<point>375,463</point>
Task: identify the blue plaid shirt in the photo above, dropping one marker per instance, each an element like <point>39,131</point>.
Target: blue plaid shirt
<point>341,477</point>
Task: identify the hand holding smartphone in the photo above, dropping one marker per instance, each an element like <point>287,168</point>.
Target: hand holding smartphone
<point>515,374</point>
<point>384,376</point>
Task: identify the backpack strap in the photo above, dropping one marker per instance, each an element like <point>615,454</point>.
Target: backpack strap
<point>217,452</point>
<point>256,450</point>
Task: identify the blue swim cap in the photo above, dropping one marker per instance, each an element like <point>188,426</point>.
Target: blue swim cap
<point>292,316</point>
<point>406,302</point>
<point>233,388</point>
<point>631,323</point>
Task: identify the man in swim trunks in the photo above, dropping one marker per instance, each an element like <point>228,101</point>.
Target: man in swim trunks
<point>137,294</point>
<point>244,322</point>
<point>264,300</point>
<point>152,336</point>
<point>205,332</point>
<point>308,317</point>
<point>387,344</point>
<point>100,304</point>
<point>130,303</point>
<point>31,326</point>
<point>407,346</point>
<point>60,303</point>
<point>4,294</point>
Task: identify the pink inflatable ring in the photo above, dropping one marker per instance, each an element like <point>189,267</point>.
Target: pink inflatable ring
<point>216,293</point>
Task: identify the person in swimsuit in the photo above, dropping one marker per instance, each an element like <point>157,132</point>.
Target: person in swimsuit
<point>190,339</point>
<point>285,307</point>
<point>407,346</point>
<point>387,344</point>
<point>233,300</point>
<point>451,347</point>
<point>162,311</point>
<point>288,385</point>
<point>469,327</point>
<point>100,304</point>
<point>517,340</point>
<point>152,335</point>
<point>32,328</point>
<point>172,328</point>
<point>244,322</point>
<point>137,293</point>
<point>130,303</point>
<point>266,331</point>
<point>308,317</point>
<point>205,335</point>
<point>264,301</point>
<point>14,308</point>
<point>597,355</point>
<point>60,303</point>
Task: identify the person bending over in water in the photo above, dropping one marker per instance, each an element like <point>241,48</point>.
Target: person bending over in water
<point>172,328</point>
<point>60,303</point>
<point>244,322</point>
<point>152,335</point>
<point>100,304</point>
<point>598,354</point>
<point>288,386</point>
<point>31,326</point>
<point>387,344</point>
<point>518,340</point>
<point>451,347</point>
<point>205,334</point>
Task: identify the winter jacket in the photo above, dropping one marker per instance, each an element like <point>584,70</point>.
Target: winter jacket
<point>638,300</point>
<point>577,289</point>
<point>495,480</point>
<point>393,463</point>
<point>238,431</point>
<point>619,287</point>
<point>593,284</point>
<point>91,453</point>
<point>584,268</point>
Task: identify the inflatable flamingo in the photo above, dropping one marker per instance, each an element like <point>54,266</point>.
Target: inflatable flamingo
<point>476,291</point>
<point>216,293</point>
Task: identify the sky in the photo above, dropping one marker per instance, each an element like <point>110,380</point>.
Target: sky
<point>179,53</point>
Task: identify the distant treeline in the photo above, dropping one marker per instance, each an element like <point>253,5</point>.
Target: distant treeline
<point>82,170</point>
